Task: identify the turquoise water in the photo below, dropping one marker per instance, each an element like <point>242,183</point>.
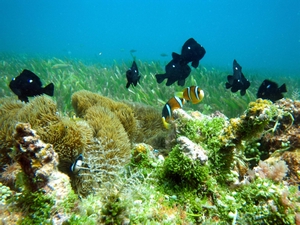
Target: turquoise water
<point>261,35</point>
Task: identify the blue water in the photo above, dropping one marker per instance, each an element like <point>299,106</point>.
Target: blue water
<point>260,34</point>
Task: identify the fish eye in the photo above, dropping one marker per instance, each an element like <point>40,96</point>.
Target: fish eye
<point>135,71</point>
<point>268,86</point>
<point>189,47</point>
<point>30,81</point>
<point>236,68</point>
<point>173,65</point>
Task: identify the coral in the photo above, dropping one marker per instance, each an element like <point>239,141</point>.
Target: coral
<point>37,159</point>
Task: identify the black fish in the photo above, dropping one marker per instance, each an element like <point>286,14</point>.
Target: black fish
<point>237,81</point>
<point>132,75</point>
<point>27,84</point>
<point>270,90</point>
<point>175,71</point>
<point>192,52</point>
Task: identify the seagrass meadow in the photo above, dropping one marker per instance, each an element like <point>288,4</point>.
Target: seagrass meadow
<point>70,76</point>
<point>97,152</point>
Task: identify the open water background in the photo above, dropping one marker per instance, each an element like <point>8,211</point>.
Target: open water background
<point>261,35</point>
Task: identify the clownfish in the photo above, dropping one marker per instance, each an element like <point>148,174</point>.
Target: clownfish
<point>173,103</point>
<point>76,166</point>
<point>192,93</point>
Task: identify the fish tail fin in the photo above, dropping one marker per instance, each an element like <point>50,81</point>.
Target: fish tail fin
<point>227,85</point>
<point>165,123</point>
<point>128,84</point>
<point>179,94</point>
<point>49,89</point>
<point>282,88</point>
<point>160,77</point>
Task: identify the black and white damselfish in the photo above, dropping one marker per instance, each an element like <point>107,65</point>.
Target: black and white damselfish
<point>27,84</point>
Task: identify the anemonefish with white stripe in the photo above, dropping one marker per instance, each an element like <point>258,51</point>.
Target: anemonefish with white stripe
<point>76,166</point>
<point>172,104</point>
<point>192,93</point>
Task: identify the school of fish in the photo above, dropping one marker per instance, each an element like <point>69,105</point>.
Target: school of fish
<point>27,84</point>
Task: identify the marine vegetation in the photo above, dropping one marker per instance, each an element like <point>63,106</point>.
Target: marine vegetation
<point>98,153</point>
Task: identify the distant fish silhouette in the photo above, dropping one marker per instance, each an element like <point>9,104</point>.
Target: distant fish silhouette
<point>192,52</point>
<point>270,90</point>
<point>132,51</point>
<point>61,66</point>
<point>237,81</point>
<point>132,75</point>
<point>174,72</point>
<point>27,84</point>
<point>163,55</point>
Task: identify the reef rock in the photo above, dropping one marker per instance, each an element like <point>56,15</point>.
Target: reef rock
<point>37,159</point>
<point>192,150</point>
